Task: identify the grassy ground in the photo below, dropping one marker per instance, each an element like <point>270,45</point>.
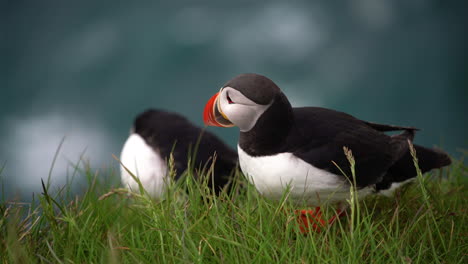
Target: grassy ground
<point>425,222</point>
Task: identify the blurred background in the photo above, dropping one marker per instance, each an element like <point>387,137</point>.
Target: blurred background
<point>82,70</point>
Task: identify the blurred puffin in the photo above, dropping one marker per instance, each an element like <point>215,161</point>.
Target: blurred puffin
<point>301,148</point>
<point>155,134</point>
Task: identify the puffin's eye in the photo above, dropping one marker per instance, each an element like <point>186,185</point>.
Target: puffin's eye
<point>229,99</point>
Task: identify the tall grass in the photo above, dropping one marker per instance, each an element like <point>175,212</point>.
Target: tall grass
<point>424,222</point>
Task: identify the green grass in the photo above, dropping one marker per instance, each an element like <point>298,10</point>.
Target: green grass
<point>424,223</point>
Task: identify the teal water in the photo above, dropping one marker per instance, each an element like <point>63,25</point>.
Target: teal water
<point>83,70</point>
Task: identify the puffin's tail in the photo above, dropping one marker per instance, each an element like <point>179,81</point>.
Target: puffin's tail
<point>404,168</point>
<point>428,159</point>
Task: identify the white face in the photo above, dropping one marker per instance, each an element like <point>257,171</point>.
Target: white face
<point>240,110</point>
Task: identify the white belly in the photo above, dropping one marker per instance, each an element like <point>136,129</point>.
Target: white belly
<point>143,162</point>
<point>396,185</point>
<point>272,175</point>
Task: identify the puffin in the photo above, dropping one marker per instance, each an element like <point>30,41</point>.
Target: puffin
<point>155,135</point>
<point>301,149</point>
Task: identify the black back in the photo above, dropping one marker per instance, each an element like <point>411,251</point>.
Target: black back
<point>327,132</point>
<point>166,132</point>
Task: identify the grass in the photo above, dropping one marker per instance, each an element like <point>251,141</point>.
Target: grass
<point>424,222</point>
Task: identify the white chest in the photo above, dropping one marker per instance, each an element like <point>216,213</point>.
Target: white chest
<point>140,159</point>
<point>272,175</point>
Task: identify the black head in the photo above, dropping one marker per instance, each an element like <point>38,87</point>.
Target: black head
<point>255,87</point>
<point>242,101</point>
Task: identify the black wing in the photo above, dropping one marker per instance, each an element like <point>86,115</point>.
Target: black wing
<point>325,132</point>
<point>385,128</point>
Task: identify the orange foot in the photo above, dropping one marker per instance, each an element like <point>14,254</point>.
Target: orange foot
<point>312,219</point>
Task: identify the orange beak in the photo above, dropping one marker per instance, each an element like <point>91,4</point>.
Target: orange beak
<point>213,116</point>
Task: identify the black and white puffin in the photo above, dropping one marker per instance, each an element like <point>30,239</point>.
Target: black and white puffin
<point>284,147</point>
<point>155,134</point>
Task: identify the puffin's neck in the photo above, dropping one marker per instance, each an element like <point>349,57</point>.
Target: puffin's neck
<point>271,132</point>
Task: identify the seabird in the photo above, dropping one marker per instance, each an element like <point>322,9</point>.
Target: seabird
<point>301,148</point>
<point>155,135</point>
